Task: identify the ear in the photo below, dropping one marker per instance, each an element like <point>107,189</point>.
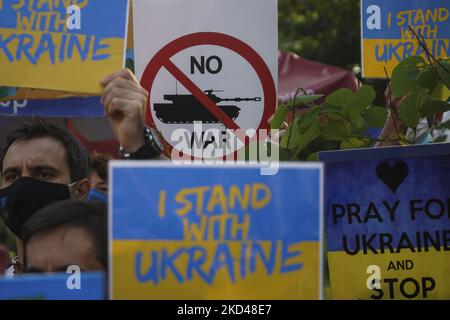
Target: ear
<point>81,190</point>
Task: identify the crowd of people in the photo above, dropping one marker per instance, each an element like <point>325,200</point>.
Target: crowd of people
<point>53,194</point>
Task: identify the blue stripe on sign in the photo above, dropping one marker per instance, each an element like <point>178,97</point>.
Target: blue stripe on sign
<point>60,108</point>
<point>404,13</point>
<point>359,203</point>
<point>104,18</point>
<point>291,215</point>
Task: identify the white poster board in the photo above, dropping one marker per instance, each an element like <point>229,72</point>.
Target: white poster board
<point>190,55</point>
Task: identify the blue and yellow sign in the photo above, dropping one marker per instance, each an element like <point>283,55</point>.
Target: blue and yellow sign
<point>59,286</point>
<point>215,232</point>
<point>67,45</point>
<point>387,37</point>
<point>388,222</point>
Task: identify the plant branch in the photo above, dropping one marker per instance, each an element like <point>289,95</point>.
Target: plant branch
<point>423,44</point>
<point>393,110</point>
<point>293,116</point>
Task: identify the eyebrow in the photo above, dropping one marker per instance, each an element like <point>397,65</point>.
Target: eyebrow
<point>33,168</point>
<point>10,169</point>
<point>44,167</point>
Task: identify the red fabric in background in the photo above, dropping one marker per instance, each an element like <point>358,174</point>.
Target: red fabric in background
<point>295,72</point>
<point>96,135</point>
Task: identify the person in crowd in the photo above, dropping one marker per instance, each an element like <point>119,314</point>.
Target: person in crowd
<point>394,126</point>
<point>99,172</point>
<point>41,163</point>
<point>125,103</point>
<point>99,177</point>
<point>66,233</point>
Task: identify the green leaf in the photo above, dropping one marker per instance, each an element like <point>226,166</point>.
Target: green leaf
<point>440,92</point>
<point>261,155</point>
<point>360,124</point>
<point>432,107</point>
<point>307,119</point>
<point>312,157</point>
<point>376,116</point>
<point>362,99</point>
<point>340,97</point>
<point>409,109</point>
<point>334,131</point>
<point>305,138</point>
<point>335,117</point>
<point>428,78</point>
<point>405,74</point>
<point>444,72</point>
<point>291,136</point>
<point>365,95</point>
<point>307,99</point>
<point>300,139</point>
<point>355,143</point>
<point>330,108</point>
<point>280,115</point>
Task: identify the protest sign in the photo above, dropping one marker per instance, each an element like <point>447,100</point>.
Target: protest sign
<point>35,94</point>
<point>63,286</point>
<point>74,107</point>
<point>219,74</point>
<point>387,38</point>
<point>388,222</point>
<point>214,232</point>
<point>61,45</point>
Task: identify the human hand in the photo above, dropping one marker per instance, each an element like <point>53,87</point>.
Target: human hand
<point>125,102</point>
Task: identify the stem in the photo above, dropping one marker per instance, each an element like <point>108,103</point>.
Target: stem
<point>423,44</point>
<point>393,110</point>
<point>293,118</point>
<point>349,121</point>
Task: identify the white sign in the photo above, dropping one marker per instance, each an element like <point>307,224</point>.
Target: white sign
<point>210,66</point>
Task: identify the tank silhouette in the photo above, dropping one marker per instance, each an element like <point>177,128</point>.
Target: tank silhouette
<point>186,108</point>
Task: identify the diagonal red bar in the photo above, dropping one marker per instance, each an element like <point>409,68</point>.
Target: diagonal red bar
<point>201,96</point>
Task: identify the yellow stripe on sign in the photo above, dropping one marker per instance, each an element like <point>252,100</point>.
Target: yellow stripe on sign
<point>388,53</point>
<point>403,276</point>
<point>298,284</point>
<point>28,69</point>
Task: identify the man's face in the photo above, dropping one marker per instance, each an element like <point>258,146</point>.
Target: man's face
<point>56,250</point>
<point>40,158</point>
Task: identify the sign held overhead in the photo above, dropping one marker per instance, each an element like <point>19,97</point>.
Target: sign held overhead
<point>219,74</point>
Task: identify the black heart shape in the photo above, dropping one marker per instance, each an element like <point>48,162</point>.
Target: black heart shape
<point>393,176</point>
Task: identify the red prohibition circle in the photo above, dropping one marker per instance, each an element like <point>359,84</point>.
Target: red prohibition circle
<point>217,39</point>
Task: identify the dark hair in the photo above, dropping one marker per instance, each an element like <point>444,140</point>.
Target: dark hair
<point>100,164</point>
<point>91,216</point>
<point>77,156</point>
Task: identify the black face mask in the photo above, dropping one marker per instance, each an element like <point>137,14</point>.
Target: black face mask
<point>26,196</point>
